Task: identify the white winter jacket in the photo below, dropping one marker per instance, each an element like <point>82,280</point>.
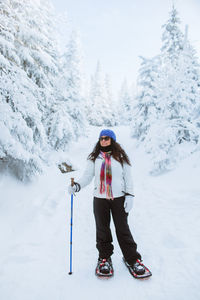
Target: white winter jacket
<point>121,177</point>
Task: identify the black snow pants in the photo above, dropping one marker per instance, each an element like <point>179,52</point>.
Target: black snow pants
<point>103,209</point>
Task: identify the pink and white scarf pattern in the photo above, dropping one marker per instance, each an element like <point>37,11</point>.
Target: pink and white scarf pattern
<point>106,164</point>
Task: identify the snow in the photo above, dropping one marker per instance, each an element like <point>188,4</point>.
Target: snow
<point>35,233</point>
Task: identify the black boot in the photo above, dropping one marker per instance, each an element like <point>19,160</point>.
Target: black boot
<point>104,267</point>
<point>138,268</point>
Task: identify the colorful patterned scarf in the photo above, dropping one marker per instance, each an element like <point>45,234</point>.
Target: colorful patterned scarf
<point>106,164</point>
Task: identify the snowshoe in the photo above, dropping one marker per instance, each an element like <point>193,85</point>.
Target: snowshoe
<point>138,270</point>
<point>104,268</point>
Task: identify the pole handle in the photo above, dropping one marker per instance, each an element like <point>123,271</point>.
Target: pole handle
<point>72,181</point>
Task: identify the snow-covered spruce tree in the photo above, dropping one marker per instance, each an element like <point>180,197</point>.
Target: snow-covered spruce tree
<point>175,135</point>
<point>72,64</point>
<point>67,119</point>
<point>147,103</point>
<point>114,117</point>
<point>99,106</point>
<point>180,94</point>
<point>172,38</point>
<point>190,91</point>
<point>125,104</point>
<point>38,50</point>
<point>60,126</point>
<point>153,77</point>
<point>29,67</point>
<point>22,135</point>
<point>31,37</point>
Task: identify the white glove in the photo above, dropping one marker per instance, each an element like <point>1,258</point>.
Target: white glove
<point>128,203</point>
<point>75,188</point>
<point>71,189</point>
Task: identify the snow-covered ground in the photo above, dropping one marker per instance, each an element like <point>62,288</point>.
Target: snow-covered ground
<point>35,233</point>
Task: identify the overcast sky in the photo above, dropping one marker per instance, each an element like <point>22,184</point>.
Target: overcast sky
<point>117,32</point>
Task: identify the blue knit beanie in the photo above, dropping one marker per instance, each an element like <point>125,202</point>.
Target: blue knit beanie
<point>108,132</point>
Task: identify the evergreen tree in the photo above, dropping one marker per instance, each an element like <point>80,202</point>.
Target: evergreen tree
<point>24,136</point>
<point>99,107</point>
<point>29,68</point>
<point>179,99</point>
<point>112,103</point>
<point>172,37</point>
<point>60,126</point>
<point>147,101</point>
<point>180,92</point>
<point>70,105</point>
<point>72,68</point>
<point>125,104</point>
<point>168,99</point>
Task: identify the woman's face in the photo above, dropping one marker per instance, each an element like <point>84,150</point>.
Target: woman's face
<point>105,141</point>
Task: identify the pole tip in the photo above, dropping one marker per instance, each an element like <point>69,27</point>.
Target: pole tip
<point>70,273</point>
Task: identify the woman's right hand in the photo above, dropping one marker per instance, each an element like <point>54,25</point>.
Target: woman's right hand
<point>75,188</point>
<point>71,189</point>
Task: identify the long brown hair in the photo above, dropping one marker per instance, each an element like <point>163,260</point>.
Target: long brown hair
<point>117,152</point>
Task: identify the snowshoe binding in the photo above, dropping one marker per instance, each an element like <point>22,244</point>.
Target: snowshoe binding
<point>104,268</point>
<point>138,270</point>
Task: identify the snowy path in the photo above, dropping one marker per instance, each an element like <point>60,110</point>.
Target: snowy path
<point>35,224</point>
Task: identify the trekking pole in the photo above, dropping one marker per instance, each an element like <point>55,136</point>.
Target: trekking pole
<point>70,271</point>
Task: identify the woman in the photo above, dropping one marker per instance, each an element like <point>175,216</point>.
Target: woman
<point>113,194</point>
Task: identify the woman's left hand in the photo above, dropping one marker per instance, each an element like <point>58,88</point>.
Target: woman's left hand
<point>128,203</point>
